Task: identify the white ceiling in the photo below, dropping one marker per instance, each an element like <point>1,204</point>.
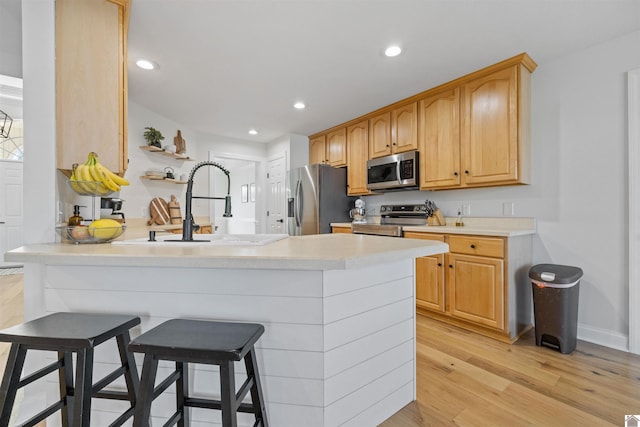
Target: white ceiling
<point>230,65</point>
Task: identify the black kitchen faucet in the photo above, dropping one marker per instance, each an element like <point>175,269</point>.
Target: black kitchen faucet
<point>188,224</point>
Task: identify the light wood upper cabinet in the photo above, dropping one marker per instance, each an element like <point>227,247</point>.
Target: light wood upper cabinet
<point>337,147</point>
<point>380,135</point>
<point>404,128</point>
<point>330,148</point>
<point>317,150</point>
<point>473,131</point>
<point>91,82</point>
<point>494,149</point>
<point>395,131</point>
<point>357,150</point>
<point>439,140</point>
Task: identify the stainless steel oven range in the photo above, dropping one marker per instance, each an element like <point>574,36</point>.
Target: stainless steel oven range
<point>392,218</point>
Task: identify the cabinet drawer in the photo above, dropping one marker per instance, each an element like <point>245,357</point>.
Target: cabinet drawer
<point>424,236</point>
<point>472,245</point>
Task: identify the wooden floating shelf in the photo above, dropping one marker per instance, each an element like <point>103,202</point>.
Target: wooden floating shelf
<point>159,178</point>
<point>154,149</point>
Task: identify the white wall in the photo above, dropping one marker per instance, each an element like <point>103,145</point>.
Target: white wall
<point>579,184</point>
<point>138,195</point>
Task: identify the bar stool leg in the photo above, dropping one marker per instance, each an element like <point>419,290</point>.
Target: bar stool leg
<point>131,373</point>
<point>182,391</point>
<point>10,381</point>
<point>228,394</point>
<point>251,363</point>
<point>142,413</point>
<point>83,388</point>
<point>65,384</point>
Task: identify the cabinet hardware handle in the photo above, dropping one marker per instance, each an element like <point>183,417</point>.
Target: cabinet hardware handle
<point>450,266</point>
<point>387,145</point>
<point>455,173</point>
<point>466,172</point>
<point>279,220</point>
<point>473,246</point>
<point>439,264</point>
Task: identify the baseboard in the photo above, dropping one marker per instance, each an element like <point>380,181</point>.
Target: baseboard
<point>603,337</point>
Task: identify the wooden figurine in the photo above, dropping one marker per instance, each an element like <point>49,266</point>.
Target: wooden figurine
<point>180,143</point>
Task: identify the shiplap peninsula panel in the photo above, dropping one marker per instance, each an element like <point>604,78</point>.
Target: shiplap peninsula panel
<point>338,344</point>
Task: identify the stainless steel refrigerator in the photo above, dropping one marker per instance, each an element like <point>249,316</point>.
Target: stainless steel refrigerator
<point>318,198</point>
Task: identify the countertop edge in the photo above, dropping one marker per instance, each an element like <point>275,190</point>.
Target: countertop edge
<point>55,254</point>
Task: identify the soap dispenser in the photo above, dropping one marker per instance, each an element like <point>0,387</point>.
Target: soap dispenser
<point>76,219</point>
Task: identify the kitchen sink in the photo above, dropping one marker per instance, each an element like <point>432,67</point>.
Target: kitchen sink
<point>207,240</point>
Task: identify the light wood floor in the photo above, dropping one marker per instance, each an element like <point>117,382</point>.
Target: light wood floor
<point>468,380</point>
<point>465,379</point>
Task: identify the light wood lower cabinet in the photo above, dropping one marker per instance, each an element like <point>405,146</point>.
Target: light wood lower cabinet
<point>341,229</point>
<point>482,284</point>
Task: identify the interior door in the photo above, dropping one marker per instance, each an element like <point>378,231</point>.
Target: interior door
<point>10,208</point>
<point>276,182</point>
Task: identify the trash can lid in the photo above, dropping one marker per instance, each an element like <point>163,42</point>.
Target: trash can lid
<point>554,273</point>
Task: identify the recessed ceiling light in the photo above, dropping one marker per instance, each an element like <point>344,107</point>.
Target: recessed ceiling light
<point>299,105</point>
<point>392,51</point>
<point>146,64</point>
<point>253,132</point>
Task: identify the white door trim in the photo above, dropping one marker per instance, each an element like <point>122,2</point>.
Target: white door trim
<point>261,165</point>
<point>633,85</point>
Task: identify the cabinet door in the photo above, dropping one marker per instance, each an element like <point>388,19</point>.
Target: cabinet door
<point>476,289</point>
<point>490,128</point>
<point>430,282</point>
<point>357,155</point>
<point>380,135</point>
<point>404,128</point>
<point>336,147</point>
<point>317,150</point>
<point>91,93</point>
<point>439,140</point>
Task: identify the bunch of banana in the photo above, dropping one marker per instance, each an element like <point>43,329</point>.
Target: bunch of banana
<point>94,178</point>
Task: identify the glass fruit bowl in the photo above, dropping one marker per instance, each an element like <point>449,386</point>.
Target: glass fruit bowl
<point>80,234</point>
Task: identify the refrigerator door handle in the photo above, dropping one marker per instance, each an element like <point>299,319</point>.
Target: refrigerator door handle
<point>298,204</point>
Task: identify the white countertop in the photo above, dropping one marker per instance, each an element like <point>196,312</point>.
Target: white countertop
<point>503,227</point>
<point>316,252</point>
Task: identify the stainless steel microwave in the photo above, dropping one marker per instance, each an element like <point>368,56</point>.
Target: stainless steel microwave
<point>398,171</point>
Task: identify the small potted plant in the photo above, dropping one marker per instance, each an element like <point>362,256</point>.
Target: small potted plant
<point>153,137</point>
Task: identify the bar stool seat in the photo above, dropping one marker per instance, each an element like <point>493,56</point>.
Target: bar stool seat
<point>207,342</point>
<point>68,333</point>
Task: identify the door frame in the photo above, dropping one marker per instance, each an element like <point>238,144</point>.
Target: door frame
<point>261,165</point>
<point>633,115</point>
<point>287,190</point>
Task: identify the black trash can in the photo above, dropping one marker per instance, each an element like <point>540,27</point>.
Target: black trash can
<point>556,289</point>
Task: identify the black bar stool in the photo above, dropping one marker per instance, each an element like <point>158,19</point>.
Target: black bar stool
<point>68,333</point>
<point>207,342</point>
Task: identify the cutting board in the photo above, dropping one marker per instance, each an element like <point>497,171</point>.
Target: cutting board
<point>159,211</point>
<point>174,210</point>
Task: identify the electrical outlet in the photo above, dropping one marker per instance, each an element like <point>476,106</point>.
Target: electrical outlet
<point>466,209</point>
<point>508,209</point>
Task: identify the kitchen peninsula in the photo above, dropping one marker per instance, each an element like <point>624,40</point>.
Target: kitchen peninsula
<point>338,309</point>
